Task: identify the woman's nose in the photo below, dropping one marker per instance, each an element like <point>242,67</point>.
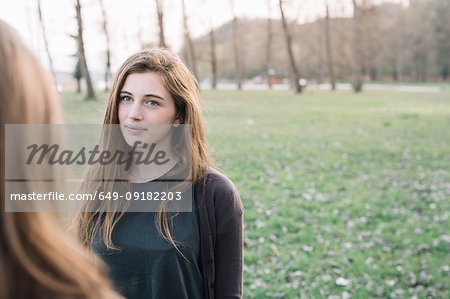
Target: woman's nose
<point>135,112</point>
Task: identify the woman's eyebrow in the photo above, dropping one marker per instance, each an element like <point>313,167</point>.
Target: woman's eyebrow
<point>149,95</point>
<point>152,95</point>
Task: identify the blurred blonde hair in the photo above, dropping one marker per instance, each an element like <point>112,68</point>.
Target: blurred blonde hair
<point>38,259</point>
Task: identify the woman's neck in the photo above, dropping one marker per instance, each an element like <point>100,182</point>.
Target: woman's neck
<point>151,163</point>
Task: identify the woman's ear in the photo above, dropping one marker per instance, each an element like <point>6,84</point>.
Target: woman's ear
<point>177,121</point>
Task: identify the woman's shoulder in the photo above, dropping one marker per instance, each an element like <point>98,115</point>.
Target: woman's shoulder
<point>220,190</point>
<point>218,181</point>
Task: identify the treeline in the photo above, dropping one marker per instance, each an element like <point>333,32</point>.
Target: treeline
<point>395,43</point>
<point>379,42</point>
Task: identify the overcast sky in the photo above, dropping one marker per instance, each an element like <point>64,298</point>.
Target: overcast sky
<point>132,22</point>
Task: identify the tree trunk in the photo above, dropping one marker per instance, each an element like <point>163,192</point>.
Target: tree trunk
<point>329,48</point>
<point>108,48</point>
<point>44,34</point>
<point>192,61</point>
<point>236,48</point>
<point>212,41</point>
<point>295,72</point>
<point>160,12</point>
<point>78,74</point>
<point>319,73</point>
<point>212,45</point>
<point>373,72</point>
<point>269,70</point>
<point>399,66</point>
<point>84,67</point>
<point>399,37</point>
<point>356,77</point>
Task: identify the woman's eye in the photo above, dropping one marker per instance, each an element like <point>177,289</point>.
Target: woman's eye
<point>152,103</point>
<point>126,99</point>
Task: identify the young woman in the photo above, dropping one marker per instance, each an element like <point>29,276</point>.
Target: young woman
<point>37,258</point>
<point>164,254</point>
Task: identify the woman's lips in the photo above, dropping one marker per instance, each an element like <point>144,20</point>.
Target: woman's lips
<point>135,129</point>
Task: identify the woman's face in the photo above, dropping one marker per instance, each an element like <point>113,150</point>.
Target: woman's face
<point>145,103</point>
<point>145,100</point>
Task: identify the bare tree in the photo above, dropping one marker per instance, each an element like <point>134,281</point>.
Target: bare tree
<point>370,39</point>
<point>84,67</point>
<point>398,34</point>
<point>329,47</point>
<point>108,51</point>
<point>44,34</point>
<point>212,46</point>
<point>295,72</point>
<point>212,43</point>
<point>356,77</point>
<point>160,12</point>
<point>269,47</point>
<point>189,45</point>
<point>77,74</point>
<point>320,49</point>
<point>441,31</point>
<point>236,48</point>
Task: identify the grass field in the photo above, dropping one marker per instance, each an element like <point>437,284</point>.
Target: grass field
<point>345,195</point>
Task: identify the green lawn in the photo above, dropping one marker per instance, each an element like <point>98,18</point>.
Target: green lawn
<point>344,194</point>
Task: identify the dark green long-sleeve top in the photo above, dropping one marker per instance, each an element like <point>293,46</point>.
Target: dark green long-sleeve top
<point>147,266</point>
<point>220,229</point>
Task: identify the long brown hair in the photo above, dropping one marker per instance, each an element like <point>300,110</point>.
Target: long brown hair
<point>182,86</point>
<point>38,259</point>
